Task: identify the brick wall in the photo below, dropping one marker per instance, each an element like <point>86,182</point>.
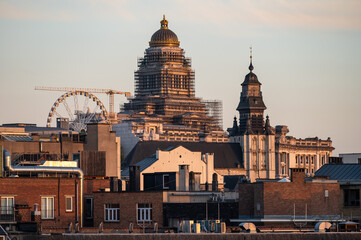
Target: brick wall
<point>349,212</point>
<point>127,202</point>
<point>281,198</point>
<point>28,191</point>
<point>246,199</point>
<point>49,147</point>
<point>94,185</point>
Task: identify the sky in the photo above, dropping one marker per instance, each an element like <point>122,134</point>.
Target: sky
<point>306,54</point>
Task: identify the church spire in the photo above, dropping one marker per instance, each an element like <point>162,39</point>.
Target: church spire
<point>250,62</point>
<point>268,128</point>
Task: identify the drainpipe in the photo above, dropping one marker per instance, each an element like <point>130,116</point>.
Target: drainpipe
<point>49,169</point>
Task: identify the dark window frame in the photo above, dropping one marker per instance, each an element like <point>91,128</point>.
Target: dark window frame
<point>351,197</point>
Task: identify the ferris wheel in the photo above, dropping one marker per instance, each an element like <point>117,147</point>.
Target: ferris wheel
<point>78,108</point>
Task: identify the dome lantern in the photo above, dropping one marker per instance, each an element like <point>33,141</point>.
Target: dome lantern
<point>164,37</point>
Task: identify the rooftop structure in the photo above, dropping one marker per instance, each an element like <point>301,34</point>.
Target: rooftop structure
<point>268,151</point>
<point>164,90</point>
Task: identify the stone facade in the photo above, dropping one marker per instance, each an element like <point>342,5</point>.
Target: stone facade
<point>268,152</point>
<point>165,107</point>
<point>256,136</point>
<point>169,161</point>
<point>308,153</point>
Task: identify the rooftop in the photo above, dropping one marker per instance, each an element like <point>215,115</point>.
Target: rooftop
<point>340,172</point>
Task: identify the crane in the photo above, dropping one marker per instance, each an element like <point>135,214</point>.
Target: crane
<point>109,92</point>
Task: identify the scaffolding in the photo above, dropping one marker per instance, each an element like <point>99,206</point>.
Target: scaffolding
<point>214,109</point>
<point>152,79</point>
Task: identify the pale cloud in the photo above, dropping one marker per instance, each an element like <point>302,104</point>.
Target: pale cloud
<point>65,10</point>
<point>308,14</point>
<point>322,14</point>
<point>10,11</point>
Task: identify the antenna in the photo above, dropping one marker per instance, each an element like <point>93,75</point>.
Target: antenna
<point>250,53</point>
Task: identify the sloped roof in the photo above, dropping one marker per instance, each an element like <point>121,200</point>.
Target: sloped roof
<point>15,138</point>
<point>226,155</point>
<point>144,164</point>
<point>231,181</point>
<point>340,172</point>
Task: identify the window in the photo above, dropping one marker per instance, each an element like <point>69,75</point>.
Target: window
<point>351,197</point>
<point>68,203</point>
<point>47,207</point>
<point>111,213</point>
<point>7,205</point>
<point>144,211</point>
<point>166,181</point>
<point>76,156</point>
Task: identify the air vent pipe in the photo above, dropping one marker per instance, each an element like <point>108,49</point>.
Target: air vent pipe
<point>49,169</point>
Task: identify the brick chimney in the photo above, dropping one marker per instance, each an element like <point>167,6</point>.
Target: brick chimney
<point>298,175</point>
<point>134,178</point>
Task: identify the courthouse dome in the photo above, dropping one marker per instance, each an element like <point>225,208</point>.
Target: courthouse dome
<point>164,37</point>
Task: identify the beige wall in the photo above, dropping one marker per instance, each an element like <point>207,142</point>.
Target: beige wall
<point>169,161</point>
<point>258,156</point>
<point>101,138</point>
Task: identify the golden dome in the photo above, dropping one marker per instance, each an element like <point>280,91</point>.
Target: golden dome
<point>164,37</point>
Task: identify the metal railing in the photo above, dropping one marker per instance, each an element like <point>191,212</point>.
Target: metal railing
<point>7,214</point>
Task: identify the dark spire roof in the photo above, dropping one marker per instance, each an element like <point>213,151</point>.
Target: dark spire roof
<point>250,63</point>
<point>234,130</point>
<point>226,155</point>
<point>164,36</point>
<point>268,128</point>
<point>250,77</point>
<point>251,66</point>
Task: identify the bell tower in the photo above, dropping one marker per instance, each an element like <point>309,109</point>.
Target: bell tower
<point>255,136</point>
<point>251,106</point>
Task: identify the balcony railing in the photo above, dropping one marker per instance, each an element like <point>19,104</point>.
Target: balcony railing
<point>7,214</point>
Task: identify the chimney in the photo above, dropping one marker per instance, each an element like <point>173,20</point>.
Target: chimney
<point>197,181</point>
<point>298,175</point>
<point>36,137</point>
<point>113,184</point>
<point>134,178</point>
<point>120,185</point>
<point>183,178</point>
<point>191,181</point>
<point>214,182</point>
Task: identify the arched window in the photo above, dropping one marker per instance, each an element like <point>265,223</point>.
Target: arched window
<point>262,144</point>
<point>254,144</point>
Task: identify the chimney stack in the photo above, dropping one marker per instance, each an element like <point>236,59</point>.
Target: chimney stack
<point>183,177</point>
<point>134,178</point>
<point>298,175</point>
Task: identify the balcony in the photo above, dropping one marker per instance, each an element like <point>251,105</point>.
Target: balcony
<point>7,215</point>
